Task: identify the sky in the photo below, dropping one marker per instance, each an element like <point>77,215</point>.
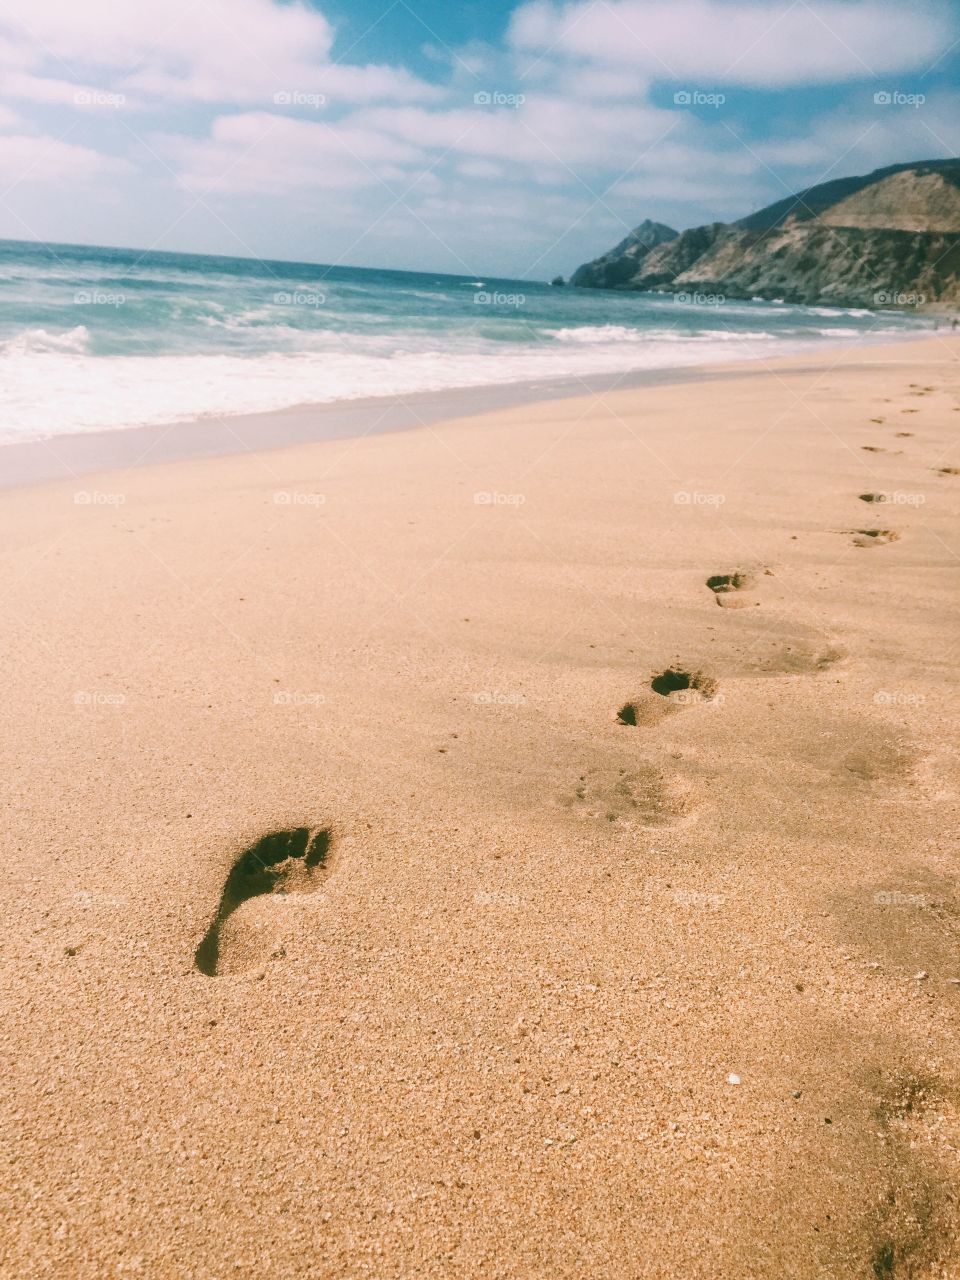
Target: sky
<point>479,137</point>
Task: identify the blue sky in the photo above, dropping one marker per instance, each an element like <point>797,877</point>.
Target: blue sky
<point>509,138</point>
<point>406,31</point>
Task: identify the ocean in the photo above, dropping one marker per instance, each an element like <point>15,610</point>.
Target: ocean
<point>97,339</point>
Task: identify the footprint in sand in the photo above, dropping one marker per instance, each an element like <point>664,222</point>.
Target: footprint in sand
<point>282,866</point>
<point>644,796</point>
<point>909,920</point>
<point>849,751</point>
<point>766,649</point>
<point>733,590</point>
<point>873,537</point>
<point>674,688</point>
<point>872,448</point>
<point>948,471</point>
<point>913,1228</point>
<point>872,497</point>
<point>645,711</point>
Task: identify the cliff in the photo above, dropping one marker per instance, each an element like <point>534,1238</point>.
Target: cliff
<point>890,238</point>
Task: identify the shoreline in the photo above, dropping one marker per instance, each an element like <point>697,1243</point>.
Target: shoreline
<point>74,455</point>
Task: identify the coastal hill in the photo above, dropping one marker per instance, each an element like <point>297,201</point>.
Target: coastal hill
<point>621,264</point>
<point>889,238</point>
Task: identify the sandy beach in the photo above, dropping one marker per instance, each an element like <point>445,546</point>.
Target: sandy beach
<point>620,935</point>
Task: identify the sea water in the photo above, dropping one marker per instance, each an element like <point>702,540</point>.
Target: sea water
<point>95,339</point>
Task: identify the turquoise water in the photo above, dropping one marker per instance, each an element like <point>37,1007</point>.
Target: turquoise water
<point>94,338</point>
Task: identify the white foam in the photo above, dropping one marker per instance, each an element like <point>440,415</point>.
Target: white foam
<point>601,333</point>
<point>51,385</point>
<point>605,334</point>
<point>34,340</point>
<point>838,311</point>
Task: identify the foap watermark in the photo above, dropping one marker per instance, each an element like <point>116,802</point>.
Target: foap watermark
<point>493,498</point>
<point>700,299</point>
<point>98,98</point>
<point>300,298</point>
<point>898,298</point>
<point>297,498</point>
<point>98,698</point>
<point>694,697</point>
<point>901,499</point>
<point>897,98</point>
<point>898,698</point>
<point>83,898</point>
<point>498,698</point>
<point>98,298</point>
<point>498,98</point>
<point>297,698</point>
<point>695,898</point>
<point>299,98</point>
<point>284,898</point>
<point>95,498</point>
<point>485,299</point>
<point>698,98</point>
<point>693,498</point>
<point>895,898</point>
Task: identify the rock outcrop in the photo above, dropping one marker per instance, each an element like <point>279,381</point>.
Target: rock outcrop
<point>620,264</point>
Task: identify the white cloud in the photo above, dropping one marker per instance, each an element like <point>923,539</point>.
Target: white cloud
<point>67,93</point>
<point>211,34</point>
<point>271,154</point>
<point>260,82</point>
<point>26,159</point>
<point>552,130</point>
<point>604,82</point>
<point>851,141</point>
<point>214,51</point>
<point>481,169</point>
<point>712,41</point>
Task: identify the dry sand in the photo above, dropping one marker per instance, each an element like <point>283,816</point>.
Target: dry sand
<point>496,1027</point>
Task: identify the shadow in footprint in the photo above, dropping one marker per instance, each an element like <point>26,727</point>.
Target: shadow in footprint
<point>675,680</point>
<point>728,581</point>
<point>279,859</point>
<point>668,694</point>
<point>731,590</point>
<point>874,537</point>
